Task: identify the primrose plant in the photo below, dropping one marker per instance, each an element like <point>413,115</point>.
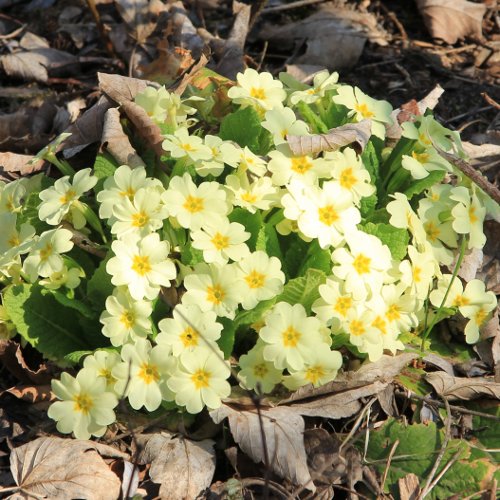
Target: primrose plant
<point>231,260</point>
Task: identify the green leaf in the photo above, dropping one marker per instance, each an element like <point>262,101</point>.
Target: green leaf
<point>312,118</point>
<point>419,186</point>
<point>43,322</point>
<point>371,161</point>
<point>303,290</point>
<point>368,204</point>
<point>395,238</point>
<point>29,213</point>
<point>104,166</point>
<point>99,286</point>
<point>191,256</point>
<point>294,256</point>
<point>393,162</point>
<point>75,304</point>
<point>253,315</point>
<point>316,258</point>
<point>75,356</point>
<point>226,340</point>
<point>267,241</point>
<point>243,127</point>
<point>252,223</point>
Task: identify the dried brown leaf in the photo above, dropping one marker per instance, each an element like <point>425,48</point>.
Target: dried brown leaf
<point>122,88</point>
<point>87,129</point>
<point>192,73</point>
<point>56,468</point>
<point>341,398</point>
<point>38,64</point>
<point>13,166</point>
<point>12,359</point>
<point>16,125</point>
<point>284,434</point>
<point>355,134</point>
<point>32,393</point>
<point>183,468</point>
<point>456,388</point>
<point>451,20</point>
<point>116,141</point>
<point>137,16</point>
<point>409,487</point>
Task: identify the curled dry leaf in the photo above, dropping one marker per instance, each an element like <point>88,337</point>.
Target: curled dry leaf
<point>341,398</point>
<point>116,141</point>
<point>455,388</point>
<point>56,468</point>
<point>451,20</point>
<point>283,429</point>
<point>12,359</point>
<point>33,394</point>
<point>13,166</point>
<point>122,88</point>
<point>183,468</point>
<point>355,134</point>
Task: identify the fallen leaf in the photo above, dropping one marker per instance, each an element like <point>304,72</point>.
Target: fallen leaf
<point>304,73</point>
<point>483,156</point>
<point>409,487</point>
<point>32,393</point>
<point>38,64</point>
<point>122,88</point>
<point>87,129</point>
<point>283,429</point>
<point>16,125</point>
<point>471,263</point>
<point>12,359</point>
<point>451,20</point>
<point>137,16</point>
<point>56,468</point>
<point>341,398</point>
<point>13,166</point>
<point>356,134</point>
<point>183,468</point>
<point>116,141</point>
<point>191,75</point>
<point>334,37</point>
<point>455,388</point>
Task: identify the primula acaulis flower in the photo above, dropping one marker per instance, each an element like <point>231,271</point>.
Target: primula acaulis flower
<point>182,145</point>
<point>62,199</point>
<point>257,195</point>
<point>125,319</point>
<point>200,379</point>
<point>13,240</point>
<point>11,196</point>
<point>69,278</point>
<point>142,265</point>
<point>422,161</point>
<point>260,90</point>
<point>190,327</point>
<point>282,122</point>
<point>404,217</point>
<point>322,82</point>
<point>222,153</point>
<point>418,271</point>
<point>142,376</point>
<point>468,216</point>
<point>86,407</point>
<point>256,373</point>
<point>102,363</point>
<point>334,303</point>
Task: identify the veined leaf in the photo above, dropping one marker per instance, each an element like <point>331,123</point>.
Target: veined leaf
<point>395,238</point>
<point>243,127</point>
<point>419,186</point>
<point>304,289</point>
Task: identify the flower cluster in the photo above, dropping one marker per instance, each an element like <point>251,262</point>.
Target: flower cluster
<point>241,249</point>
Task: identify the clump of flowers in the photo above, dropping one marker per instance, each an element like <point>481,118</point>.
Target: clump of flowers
<point>237,248</point>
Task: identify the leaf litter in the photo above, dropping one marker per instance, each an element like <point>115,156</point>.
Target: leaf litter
<point>290,421</point>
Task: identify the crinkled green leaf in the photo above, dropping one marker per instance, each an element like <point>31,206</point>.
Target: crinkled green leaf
<point>312,118</point>
<point>46,324</point>
<point>419,186</point>
<point>226,340</point>
<point>395,238</point>
<point>316,258</point>
<point>267,241</point>
<point>255,314</point>
<point>252,223</point>
<point>294,256</point>
<point>99,286</point>
<point>72,303</point>
<point>243,127</point>
<point>304,289</point>
<point>104,166</point>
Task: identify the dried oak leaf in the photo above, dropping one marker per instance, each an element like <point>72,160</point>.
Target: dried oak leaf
<point>56,468</point>
<point>355,134</point>
<point>182,467</point>
<point>14,165</point>
<point>283,429</point>
<point>116,141</point>
<point>462,388</point>
<point>122,88</point>
<point>341,398</point>
<point>451,20</point>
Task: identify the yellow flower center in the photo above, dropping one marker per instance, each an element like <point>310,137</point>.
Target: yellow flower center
<point>68,197</point>
<point>480,316</point>
<point>301,164</point>
<point>127,319</point>
<point>106,373</point>
<point>432,231</point>
<point>255,279</point>
<point>361,264</point>
<point>220,241</point>
<point>129,193</point>
<point>420,157</point>
<point>148,373</point>
<point>83,403</point>
<point>363,110</point>
<point>141,264</point>
<point>343,305</point>
<point>215,294</point>
<point>460,301</point>
<point>356,327</point>
<point>392,313</point>
<point>328,215</point>
<point>424,139</point>
<point>187,147</point>
<point>291,337</point>
<point>314,373</point>
<point>417,274</point>
<point>140,219</point>
<point>200,379</point>
<point>260,370</point>
<point>258,93</point>
<point>249,197</point>
<point>193,204</point>
<point>189,337</point>
<point>46,251</point>
<point>14,240</point>
<point>380,324</point>
<point>472,215</point>
<point>347,178</point>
